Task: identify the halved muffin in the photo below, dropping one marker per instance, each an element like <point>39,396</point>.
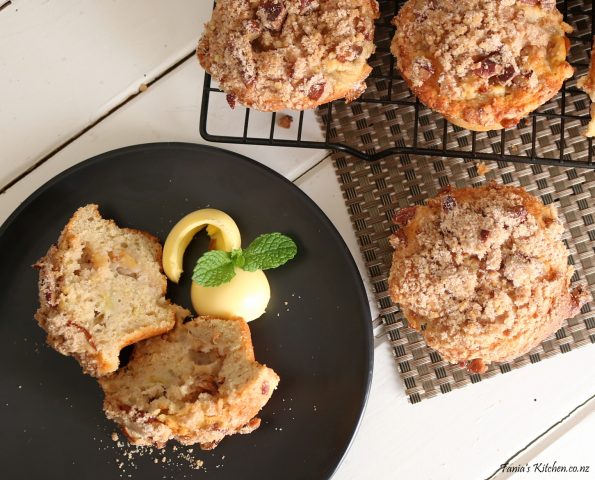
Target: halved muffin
<point>195,384</point>
<point>101,288</point>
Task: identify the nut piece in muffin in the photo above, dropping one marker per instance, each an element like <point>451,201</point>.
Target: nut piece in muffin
<point>101,288</point>
<point>483,64</point>
<point>296,54</point>
<point>482,273</point>
<point>195,384</point>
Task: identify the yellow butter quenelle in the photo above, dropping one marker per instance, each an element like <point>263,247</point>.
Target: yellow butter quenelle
<point>246,295</point>
<point>222,229</point>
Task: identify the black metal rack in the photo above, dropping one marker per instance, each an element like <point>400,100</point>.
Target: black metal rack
<point>549,136</point>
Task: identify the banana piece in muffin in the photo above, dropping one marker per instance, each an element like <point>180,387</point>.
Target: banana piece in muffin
<point>195,384</point>
<point>101,288</point>
<point>482,273</point>
<point>483,64</point>
<point>272,55</point>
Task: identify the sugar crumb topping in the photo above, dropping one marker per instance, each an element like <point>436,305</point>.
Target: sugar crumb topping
<point>480,268</point>
<point>286,49</point>
<point>489,41</point>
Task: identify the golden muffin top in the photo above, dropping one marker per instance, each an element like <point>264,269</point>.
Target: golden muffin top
<point>482,53</point>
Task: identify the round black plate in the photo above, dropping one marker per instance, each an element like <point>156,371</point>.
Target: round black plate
<point>316,334</point>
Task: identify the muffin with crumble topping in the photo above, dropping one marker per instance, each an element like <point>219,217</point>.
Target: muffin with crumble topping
<point>483,273</point>
<point>483,64</point>
<point>197,383</point>
<point>289,54</point>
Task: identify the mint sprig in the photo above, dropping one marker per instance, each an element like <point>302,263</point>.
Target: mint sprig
<point>213,268</point>
<point>267,251</point>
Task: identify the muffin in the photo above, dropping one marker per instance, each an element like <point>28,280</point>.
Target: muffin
<point>289,54</point>
<point>587,85</point>
<point>197,383</point>
<point>482,273</point>
<point>483,64</point>
<point>101,288</point>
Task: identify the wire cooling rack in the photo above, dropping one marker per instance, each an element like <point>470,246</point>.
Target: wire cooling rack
<point>551,135</point>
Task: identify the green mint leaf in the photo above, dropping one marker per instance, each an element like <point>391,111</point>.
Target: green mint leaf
<point>237,257</point>
<point>213,268</point>
<point>270,250</point>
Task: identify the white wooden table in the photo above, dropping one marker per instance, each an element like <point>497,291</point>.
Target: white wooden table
<point>70,72</point>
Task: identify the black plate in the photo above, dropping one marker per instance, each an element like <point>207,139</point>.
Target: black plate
<point>316,334</point>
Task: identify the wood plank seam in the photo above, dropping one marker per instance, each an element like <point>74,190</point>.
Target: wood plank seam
<point>96,122</point>
<point>306,172</point>
<point>540,436</point>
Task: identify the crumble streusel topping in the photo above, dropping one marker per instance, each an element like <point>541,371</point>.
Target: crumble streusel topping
<point>485,272</point>
<point>489,41</point>
<point>288,51</point>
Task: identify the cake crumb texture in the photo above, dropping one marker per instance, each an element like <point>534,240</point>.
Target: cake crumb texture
<point>195,384</point>
<point>101,288</point>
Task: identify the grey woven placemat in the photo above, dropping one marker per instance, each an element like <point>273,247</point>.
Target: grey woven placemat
<point>373,191</point>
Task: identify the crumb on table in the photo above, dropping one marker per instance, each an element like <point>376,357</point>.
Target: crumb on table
<point>285,121</point>
<point>482,168</point>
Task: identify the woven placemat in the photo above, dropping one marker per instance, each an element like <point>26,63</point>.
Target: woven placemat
<point>374,191</point>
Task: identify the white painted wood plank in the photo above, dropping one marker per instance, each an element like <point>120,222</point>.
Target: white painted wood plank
<point>320,183</point>
<point>567,451</point>
<point>465,434</point>
<point>65,63</point>
<point>166,112</point>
